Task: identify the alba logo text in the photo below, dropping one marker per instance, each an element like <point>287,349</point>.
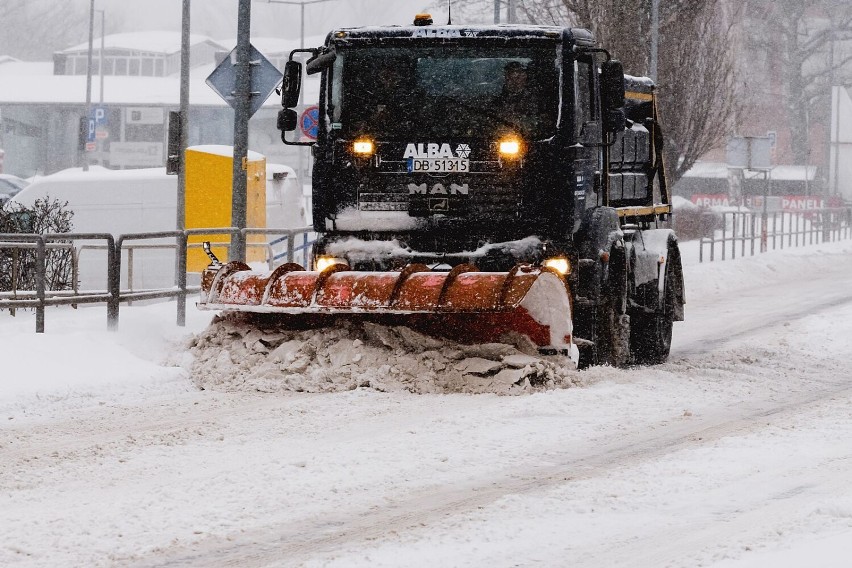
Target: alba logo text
<point>431,150</point>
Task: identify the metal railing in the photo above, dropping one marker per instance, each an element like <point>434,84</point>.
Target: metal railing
<point>41,296</point>
<point>114,295</point>
<point>750,232</point>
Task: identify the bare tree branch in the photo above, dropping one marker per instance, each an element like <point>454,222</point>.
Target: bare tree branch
<point>34,29</point>
<point>801,36</point>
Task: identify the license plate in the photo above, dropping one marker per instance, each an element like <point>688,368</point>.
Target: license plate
<point>438,165</point>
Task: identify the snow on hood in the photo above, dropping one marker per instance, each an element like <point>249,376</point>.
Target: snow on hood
<point>357,249</point>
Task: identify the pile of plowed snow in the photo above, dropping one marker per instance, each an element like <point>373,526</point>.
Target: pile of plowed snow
<point>237,354</point>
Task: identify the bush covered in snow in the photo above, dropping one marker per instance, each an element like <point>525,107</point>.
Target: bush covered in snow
<point>18,265</point>
<point>693,222</point>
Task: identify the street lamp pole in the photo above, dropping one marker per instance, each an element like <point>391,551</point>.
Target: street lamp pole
<point>242,113</point>
<point>833,117</point>
<point>85,156</point>
<point>184,113</point>
<point>655,37</point>
<point>301,5</point>
<point>101,56</point>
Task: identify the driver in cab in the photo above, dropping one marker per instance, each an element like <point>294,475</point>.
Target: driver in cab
<point>516,103</point>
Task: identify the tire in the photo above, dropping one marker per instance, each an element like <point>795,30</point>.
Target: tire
<point>651,339</point>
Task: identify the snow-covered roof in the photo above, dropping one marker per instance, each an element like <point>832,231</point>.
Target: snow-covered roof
<point>43,87</point>
<point>151,41</point>
<point>719,170</point>
<point>222,150</point>
<point>71,89</point>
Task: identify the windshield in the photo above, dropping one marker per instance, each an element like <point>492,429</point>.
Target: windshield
<point>445,91</point>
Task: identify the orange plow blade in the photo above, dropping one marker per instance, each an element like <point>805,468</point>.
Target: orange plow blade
<point>463,304</point>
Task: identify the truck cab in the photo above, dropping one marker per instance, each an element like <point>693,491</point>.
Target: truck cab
<point>493,146</point>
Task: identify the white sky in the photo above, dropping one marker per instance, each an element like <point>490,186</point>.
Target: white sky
<point>218,18</point>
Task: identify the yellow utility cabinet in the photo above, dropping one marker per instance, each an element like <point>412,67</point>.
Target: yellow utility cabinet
<point>209,184</point>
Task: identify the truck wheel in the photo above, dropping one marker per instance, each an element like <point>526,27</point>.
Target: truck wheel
<point>651,340</point>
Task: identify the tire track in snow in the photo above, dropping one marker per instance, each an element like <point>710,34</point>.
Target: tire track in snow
<point>299,542</point>
<point>124,426</point>
<point>684,546</point>
<point>754,322</point>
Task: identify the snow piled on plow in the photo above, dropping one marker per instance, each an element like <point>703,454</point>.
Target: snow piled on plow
<point>237,354</point>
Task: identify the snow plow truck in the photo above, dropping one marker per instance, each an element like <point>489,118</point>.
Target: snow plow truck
<point>479,183</point>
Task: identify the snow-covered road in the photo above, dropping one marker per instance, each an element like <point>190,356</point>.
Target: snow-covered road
<point>736,453</point>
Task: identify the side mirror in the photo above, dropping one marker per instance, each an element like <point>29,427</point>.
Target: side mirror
<point>287,120</point>
<point>322,61</point>
<point>612,84</point>
<point>292,84</point>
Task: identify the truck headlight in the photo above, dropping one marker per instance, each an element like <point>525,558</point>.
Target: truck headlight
<point>509,148</point>
<point>325,262</point>
<point>560,264</point>
<point>363,147</point>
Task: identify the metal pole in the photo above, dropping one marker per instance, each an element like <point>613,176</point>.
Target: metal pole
<point>242,110</point>
<point>655,37</point>
<point>180,221</point>
<point>41,259</point>
<point>113,280</point>
<point>836,142</point>
<point>101,58</point>
<point>181,280</point>
<point>831,114</point>
<point>764,216</point>
<point>300,177</point>
<point>89,76</point>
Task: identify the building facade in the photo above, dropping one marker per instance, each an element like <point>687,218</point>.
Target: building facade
<point>135,83</point>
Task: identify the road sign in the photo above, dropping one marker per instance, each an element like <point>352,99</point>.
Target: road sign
<point>749,152</point>
<point>91,130</point>
<point>99,115</point>
<point>264,78</point>
<point>309,122</point>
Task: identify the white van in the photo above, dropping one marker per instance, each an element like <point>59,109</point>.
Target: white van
<point>140,201</point>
